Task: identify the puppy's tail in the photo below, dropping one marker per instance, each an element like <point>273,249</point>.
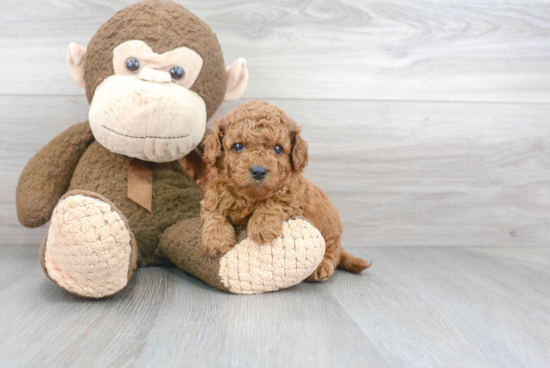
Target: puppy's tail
<point>352,264</point>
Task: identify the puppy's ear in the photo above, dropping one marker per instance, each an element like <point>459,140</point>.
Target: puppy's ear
<point>298,155</point>
<point>213,148</point>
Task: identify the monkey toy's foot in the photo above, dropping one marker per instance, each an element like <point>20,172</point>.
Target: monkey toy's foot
<point>90,250</point>
<point>248,268</point>
<point>251,268</point>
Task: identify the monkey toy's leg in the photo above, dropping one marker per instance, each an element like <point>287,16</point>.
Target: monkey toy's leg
<point>89,250</point>
<point>247,268</point>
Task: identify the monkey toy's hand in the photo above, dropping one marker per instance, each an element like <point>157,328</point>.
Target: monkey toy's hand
<point>263,228</point>
<point>217,238</point>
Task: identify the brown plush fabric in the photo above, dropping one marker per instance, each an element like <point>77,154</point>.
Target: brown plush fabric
<point>48,174</point>
<point>196,168</point>
<point>181,243</point>
<point>194,164</point>
<point>164,26</point>
<point>74,161</point>
<point>175,196</point>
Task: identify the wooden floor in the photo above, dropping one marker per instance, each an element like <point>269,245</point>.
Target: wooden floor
<point>418,307</point>
<point>429,128</point>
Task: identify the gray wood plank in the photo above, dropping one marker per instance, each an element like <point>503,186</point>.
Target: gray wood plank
<point>456,307</point>
<point>345,49</point>
<point>400,173</point>
<point>416,307</point>
<point>165,318</point>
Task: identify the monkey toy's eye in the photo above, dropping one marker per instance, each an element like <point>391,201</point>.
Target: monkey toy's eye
<point>132,64</point>
<point>177,73</point>
<point>238,147</point>
<point>278,149</point>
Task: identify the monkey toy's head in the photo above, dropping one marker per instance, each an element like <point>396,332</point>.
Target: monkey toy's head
<point>154,74</point>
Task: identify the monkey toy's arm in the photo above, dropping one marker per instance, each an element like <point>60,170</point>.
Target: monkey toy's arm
<point>48,174</point>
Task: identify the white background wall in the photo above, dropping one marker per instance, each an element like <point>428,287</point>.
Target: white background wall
<point>428,121</point>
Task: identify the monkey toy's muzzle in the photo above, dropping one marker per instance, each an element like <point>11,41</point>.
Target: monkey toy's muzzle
<point>147,119</point>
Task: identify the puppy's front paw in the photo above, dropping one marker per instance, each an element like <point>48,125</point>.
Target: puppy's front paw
<point>323,272</point>
<point>264,229</point>
<point>218,241</point>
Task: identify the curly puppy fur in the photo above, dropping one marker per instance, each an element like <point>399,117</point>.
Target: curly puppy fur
<point>236,200</point>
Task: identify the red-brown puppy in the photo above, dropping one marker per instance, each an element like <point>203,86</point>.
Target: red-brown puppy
<point>257,157</point>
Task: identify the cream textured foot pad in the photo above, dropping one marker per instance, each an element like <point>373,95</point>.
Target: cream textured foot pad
<point>249,268</point>
<point>88,247</point>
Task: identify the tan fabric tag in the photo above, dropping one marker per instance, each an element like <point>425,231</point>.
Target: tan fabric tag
<point>140,183</point>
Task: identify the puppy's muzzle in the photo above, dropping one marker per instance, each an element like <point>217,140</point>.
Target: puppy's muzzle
<point>258,172</point>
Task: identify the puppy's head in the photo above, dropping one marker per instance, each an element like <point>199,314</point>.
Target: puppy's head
<point>256,147</point>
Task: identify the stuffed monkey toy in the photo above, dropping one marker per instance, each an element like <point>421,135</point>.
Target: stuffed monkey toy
<point>115,189</point>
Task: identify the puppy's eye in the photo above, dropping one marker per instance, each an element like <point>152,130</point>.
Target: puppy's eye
<point>278,149</point>
<point>132,64</point>
<point>238,147</point>
<point>177,72</point>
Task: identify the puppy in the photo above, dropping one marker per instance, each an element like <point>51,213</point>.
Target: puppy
<point>257,157</point>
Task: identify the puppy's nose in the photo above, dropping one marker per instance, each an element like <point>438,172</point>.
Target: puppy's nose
<point>258,172</point>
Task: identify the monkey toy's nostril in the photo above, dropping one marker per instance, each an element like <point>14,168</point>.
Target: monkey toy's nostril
<point>258,172</point>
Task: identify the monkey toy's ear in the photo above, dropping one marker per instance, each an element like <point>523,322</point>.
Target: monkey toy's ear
<point>76,55</point>
<point>237,78</point>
